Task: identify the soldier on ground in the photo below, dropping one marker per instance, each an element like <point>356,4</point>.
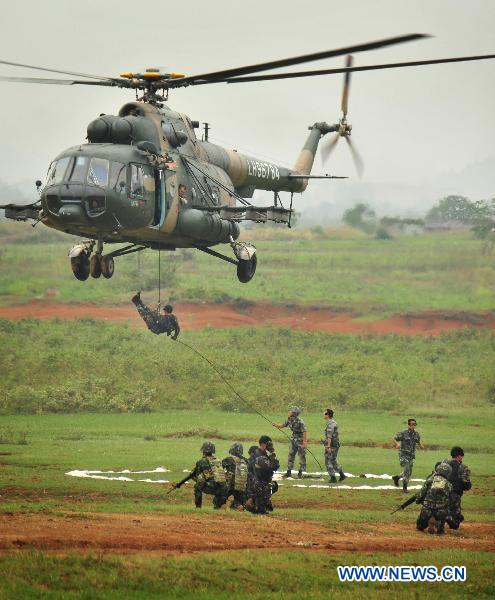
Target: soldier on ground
<point>299,441</point>
<point>461,482</point>
<point>406,442</point>
<point>157,323</point>
<point>209,477</point>
<point>332,445</point>
<point>236,469</point>
<point>263,463</point>
<point>435,498</point>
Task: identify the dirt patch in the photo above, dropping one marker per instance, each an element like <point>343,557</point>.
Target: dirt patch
<point>204,532</point>
<point>250,314</point>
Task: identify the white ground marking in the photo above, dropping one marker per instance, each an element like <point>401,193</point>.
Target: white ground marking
<point>120,476</point>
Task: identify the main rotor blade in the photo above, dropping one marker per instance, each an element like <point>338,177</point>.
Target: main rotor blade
<point>416,63</point>
<point>56,81</point>
<point>358,161</point>
<point>74,74</point>
<point>328,147</point>
<point>215,76</point>
<point>347,82</point>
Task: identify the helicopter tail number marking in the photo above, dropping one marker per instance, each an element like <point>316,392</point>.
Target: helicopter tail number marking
<point>262,170</point>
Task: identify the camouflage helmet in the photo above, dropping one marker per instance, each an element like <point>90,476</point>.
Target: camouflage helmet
<point>236,449</point>
<point>208,448</point>
<point>444,469</point>
<point>295,410</point>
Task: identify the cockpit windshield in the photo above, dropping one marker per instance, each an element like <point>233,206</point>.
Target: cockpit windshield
<point>99,169</point>
<point>57,170</point>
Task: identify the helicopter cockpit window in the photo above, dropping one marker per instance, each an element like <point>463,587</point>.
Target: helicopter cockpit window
<point>142,182</point>
<point>57,171</point>
<point>98,172</point>
<point>77,169</point>
<point>117,177</point>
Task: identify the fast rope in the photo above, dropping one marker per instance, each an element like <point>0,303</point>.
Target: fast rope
<point>249,404</point>
<point>159,278</point>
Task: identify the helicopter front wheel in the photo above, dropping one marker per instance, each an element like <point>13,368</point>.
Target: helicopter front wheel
<point>80,266</point>
<point>95,266</point>
<point>246,268</point>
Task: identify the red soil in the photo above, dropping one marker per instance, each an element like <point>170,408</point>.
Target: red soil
<point>198,316</point>
<point>203,532</point>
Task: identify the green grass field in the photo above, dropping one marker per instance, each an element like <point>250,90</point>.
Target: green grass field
<point>100,396</point>
<point>340,268</point>
<point>37,450</point>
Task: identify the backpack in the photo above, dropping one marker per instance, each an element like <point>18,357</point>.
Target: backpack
<point>216,471</point>
<point>241,475</point>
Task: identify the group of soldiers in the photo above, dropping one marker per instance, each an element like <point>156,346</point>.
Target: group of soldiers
<point>248,480</point>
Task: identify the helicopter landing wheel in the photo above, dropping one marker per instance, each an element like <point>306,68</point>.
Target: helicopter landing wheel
<point>80,266</point>
<point>95,266</point>
<point>246,269</point>
<point>107,266</point>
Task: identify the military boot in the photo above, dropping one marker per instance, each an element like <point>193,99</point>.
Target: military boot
<point>404,487</point>
<point>287,475</point>
<point>342,475</point>
<point>137,298</point>
<point>395,479</point>
<point>299,474</point>
<point>440,527</point>
<point>333,479</point>
<point>431,525</point>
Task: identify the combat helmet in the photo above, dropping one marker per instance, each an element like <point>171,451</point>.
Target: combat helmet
<point>236,449</point>
<point>444,469</point>
<point>208,448</point>
<point>295,410</point>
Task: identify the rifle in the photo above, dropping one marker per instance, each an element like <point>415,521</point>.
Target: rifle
<point>406,503</point>
<point>177,485</point>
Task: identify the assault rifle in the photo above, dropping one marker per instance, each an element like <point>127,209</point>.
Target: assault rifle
<point>406,503</point>
<point>176,486</point>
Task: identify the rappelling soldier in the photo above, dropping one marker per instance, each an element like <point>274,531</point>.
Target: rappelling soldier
<point>263,463</point>
<point>209,476</point>
<point>405,442</point>
<point>332,445</point>
<point>157,323</point>
<point>299,440</point>
<point>435,496</point>
<point>237,470</point>
<point>461,482</point>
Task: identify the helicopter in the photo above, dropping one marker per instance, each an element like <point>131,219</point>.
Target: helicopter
<point>144,179</point>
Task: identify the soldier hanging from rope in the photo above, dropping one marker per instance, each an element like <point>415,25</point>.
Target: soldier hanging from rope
<point>157,323</point>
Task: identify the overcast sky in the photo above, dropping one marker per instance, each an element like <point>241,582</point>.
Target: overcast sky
<point>409,125</point>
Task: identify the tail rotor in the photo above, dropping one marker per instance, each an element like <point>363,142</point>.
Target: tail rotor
<point>343,129</point>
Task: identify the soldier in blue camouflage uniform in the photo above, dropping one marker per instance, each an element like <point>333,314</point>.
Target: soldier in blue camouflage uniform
<point>263,463</point>
<point>435,498</point>
<point>332,445</point>
<point>299,441</point>
<point>157,323</point>
<point>237,470</point>
<point>461,482</point>
<point>406,442</point>
<point>209,476</point>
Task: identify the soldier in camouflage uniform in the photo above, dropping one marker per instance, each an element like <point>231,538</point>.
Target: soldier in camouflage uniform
<point>263,463</point>
<point>406,442</point>
<point>299,441</point>
<point>461,482</point>
<point>332,445</point>
<point>157,323</point>
<point>236,469</point>
<point>209,476</point>
<point>435,498</point>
